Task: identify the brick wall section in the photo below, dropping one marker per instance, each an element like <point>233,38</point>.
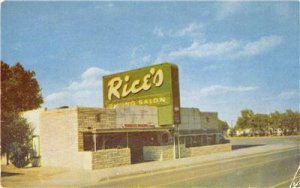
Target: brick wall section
<point>59,143</point>
<point>110,158</point>
<point>87,121</point>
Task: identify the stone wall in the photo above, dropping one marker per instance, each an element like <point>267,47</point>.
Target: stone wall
<point>162,153</point>
<point>184,151</point>
<point>158,153</point>
<point>110,158</point>
<point>90,119</point>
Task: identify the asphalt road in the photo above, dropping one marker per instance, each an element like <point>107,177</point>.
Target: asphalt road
<point>264,170</point>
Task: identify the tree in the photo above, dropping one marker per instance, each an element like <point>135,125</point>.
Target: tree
<point>275,120</point>
<point>222,125</point>
<point>289,122</point>
<point>262,124</point>
<point>245,120</point>
<point>21,135</point>
<point>20,91</point>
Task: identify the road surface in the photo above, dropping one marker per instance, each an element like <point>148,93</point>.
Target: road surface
<point>263,170</point>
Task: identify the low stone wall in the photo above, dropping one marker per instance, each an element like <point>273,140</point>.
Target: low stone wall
<point>205,150</point>
<point>184,151</point>
<point>158,153</point>
<point>110,158</point>
<point>162,153</point>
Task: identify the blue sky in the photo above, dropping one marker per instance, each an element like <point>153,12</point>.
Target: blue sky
<point>231,55</point>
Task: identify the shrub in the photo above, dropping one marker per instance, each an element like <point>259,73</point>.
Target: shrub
<point>19,155</point>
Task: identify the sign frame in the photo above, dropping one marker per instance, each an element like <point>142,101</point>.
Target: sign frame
<point>156,85</point>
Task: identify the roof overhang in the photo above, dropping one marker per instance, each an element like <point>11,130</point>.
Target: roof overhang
<point>130,130</point>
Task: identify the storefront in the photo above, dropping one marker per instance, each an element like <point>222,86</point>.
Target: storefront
<point>134,139</point>
<point>141,120</point>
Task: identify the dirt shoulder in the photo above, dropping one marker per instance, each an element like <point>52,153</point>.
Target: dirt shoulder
<point>22,177</point>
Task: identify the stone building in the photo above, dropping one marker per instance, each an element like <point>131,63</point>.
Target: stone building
<point>94,138</point>
<point>142,120</point>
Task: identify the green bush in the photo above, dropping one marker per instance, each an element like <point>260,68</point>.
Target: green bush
<point>19,155</point>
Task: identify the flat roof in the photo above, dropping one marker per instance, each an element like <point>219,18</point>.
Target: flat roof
<point>125,130</point>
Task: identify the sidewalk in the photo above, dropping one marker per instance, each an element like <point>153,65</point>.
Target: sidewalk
<point>78,178</point>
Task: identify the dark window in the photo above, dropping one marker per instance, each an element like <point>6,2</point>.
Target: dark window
<point>98,117</point>
<point>111,140</point>
<point>188,142</point>
<point>165,138</point>
<point>204,140</point>
<point>213,139</point>
<point>88,141</point>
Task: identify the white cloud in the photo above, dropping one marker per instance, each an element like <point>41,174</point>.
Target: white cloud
<point>259,46</point>
<point>288,94</point>
<point>93,72</point>
<point>90,78</point>
<point>231,49</point>
<point>87,91</point>
<point>56,96</point>
<point>191,30</point>
<point>219,89</point>
<point>198,50</point>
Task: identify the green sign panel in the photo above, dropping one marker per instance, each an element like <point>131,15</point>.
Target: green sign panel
<point>149,86</point>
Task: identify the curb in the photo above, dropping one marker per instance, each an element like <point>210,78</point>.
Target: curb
<point>200,161</point>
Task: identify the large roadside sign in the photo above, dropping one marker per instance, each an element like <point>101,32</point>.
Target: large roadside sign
<point>156,85</point>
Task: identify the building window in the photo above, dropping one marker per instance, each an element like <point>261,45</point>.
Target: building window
<point>204,140</point>
<point>88,141</point>
<point>165,138</point>
<point>98,117</point>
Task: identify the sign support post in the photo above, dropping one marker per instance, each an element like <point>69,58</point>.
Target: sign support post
<point>178,141</point>
<point>174,141</point>
<point>95,141</point>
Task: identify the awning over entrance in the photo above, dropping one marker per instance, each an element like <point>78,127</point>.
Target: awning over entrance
<point>133,138</point>
<point>128,130</point>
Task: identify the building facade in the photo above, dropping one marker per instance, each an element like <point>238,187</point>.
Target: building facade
<point>142,121</point>
<point>94,138</point>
